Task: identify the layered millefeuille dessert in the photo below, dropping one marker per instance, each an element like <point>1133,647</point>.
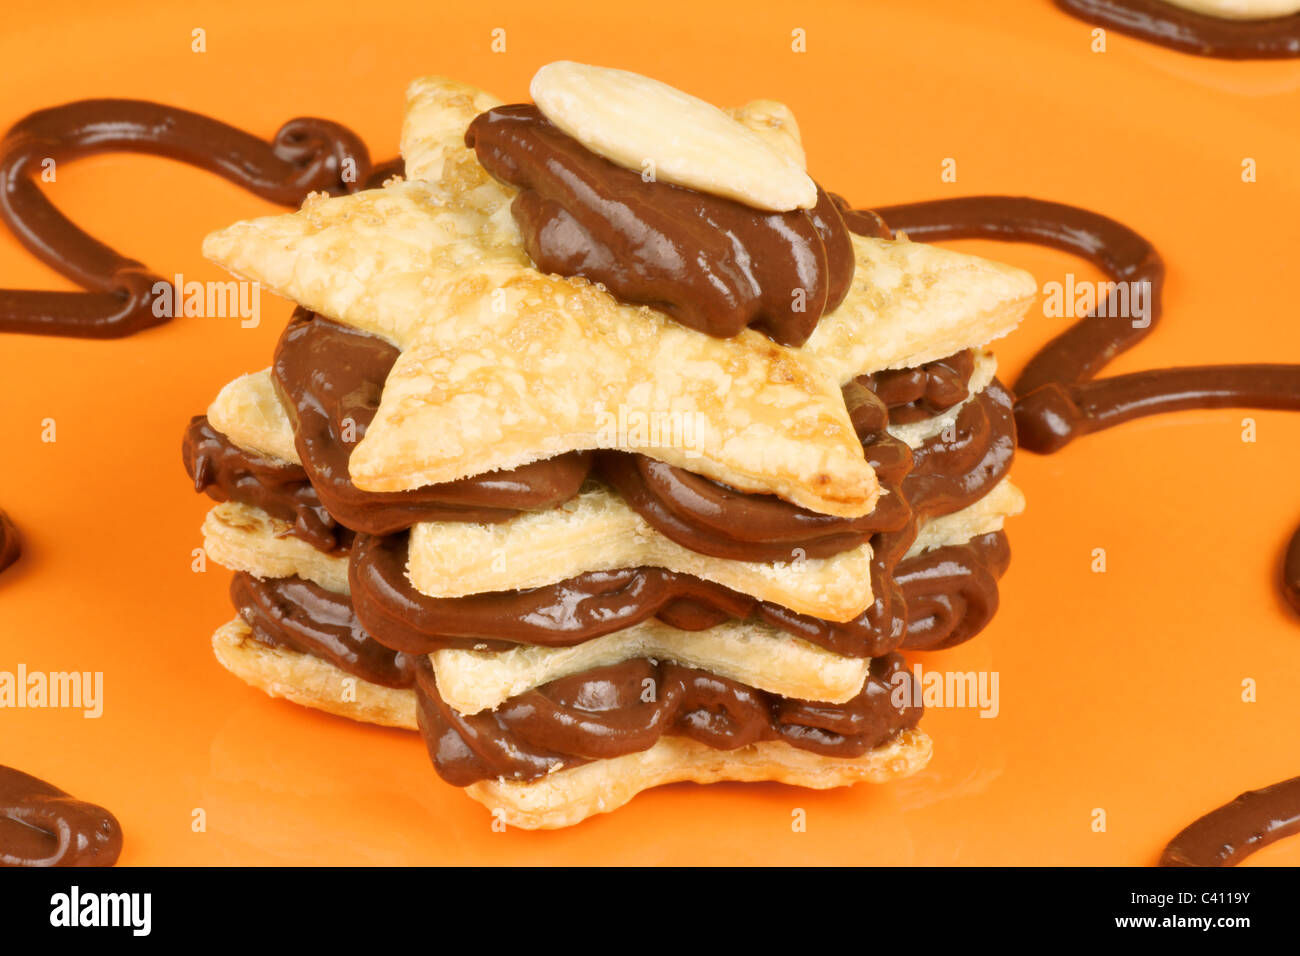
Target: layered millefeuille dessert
<point>609,450</point>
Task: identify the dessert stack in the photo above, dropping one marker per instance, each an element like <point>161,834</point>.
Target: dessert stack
<point>609,450</point>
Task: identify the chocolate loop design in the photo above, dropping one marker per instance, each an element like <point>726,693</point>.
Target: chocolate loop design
<point>1056,397</point>
<point>305,155</point>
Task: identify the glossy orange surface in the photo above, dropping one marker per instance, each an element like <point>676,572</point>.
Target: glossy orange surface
<point>1120,690</point>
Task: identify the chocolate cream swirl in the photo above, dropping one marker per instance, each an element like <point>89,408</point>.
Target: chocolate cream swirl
<point>304,617</point>
<point>625,708</point>
<point>711,263</point>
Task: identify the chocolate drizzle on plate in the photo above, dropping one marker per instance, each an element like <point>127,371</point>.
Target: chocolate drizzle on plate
<point>1053,415</point>
<point>1272,38</point>
<point>304,155</point>
<point>1057,398</point>
<point>1226,836</point>
<point>40,825</point>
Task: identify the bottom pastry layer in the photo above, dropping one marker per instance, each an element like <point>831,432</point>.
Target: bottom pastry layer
<point>571,796</point>
<point>310,681</point>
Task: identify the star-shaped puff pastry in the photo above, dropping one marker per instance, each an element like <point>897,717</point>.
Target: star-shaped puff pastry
<point>502,365</point>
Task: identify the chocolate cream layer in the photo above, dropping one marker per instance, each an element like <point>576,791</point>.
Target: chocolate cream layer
<point>626,708</point>
<point>944,597</point>
<point>330,378</point>
<point>950,472</point>
<point>938,598</point>
<point>301,616</point>
<point>604,712</point>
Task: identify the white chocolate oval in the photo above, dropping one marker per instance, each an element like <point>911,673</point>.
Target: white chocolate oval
<point>1241,9</point>
<point>640,124</point>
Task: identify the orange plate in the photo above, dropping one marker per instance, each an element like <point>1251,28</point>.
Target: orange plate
<point>1120,691</point>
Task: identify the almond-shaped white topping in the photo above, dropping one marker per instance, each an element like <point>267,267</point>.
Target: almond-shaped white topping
<point>775,123</point>
<point>1241,9</point>
<point>652,128</point>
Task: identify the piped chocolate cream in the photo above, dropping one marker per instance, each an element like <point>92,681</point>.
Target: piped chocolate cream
<point>915,394</point>
<point>711,263</point>
<point>226,472</point>
<point>11,543</point>
<point>627,707</point>
<point>951,593</point>
<point>303,616</point>
<point>330,378</point>
<point>576,610</point>
<point>41,825</point>
<point>1269,38</point>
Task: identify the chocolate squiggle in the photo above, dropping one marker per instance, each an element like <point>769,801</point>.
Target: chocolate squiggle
<point>1084,349</point>
<point>305,155</point>
<point>40,825</point>
<point>1226,836</point>
<point>952,592</point>
<point>1056,398</point>
<point>1273,38</point>
<point>11,543</point>
<point>1053,415</point>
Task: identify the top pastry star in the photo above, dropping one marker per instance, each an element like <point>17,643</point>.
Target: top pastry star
<point>502,364</point>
